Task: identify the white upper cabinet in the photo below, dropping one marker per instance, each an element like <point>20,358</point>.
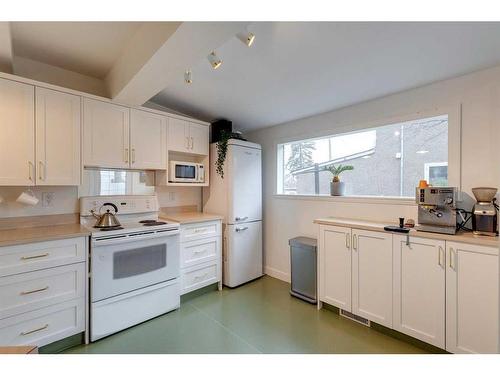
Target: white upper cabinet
<point>106,140</point>
<point>148,140</point>
<point>419,289</point>
<point>472,313</point>
<point>335,266</point>
<point>372,276</point>
<point>57,138</point>
<point>178,135</point>
<point>199,139</point>
<point>17,133</point>
<point>188,137</point>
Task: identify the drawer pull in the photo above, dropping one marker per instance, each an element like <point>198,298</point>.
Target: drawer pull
<point>199,251</point>
<point>35,330</point>
<point>201,277</point>
<point>35,256</point>
<point>200,230</point>
<point>241,229</point>
<point>34,291</point>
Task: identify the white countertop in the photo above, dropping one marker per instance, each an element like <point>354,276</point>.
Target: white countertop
<point>464,237</point>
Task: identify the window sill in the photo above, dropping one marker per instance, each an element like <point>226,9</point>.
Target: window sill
<point>406,201</point>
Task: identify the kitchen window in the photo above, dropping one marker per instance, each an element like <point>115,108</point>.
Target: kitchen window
<point>388,160</point>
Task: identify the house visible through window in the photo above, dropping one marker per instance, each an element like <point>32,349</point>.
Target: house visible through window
<point>388,160</point>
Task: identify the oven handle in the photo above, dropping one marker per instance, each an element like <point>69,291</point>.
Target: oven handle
<point>129,238</point>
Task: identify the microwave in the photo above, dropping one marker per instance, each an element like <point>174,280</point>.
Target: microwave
<point>183,171</point>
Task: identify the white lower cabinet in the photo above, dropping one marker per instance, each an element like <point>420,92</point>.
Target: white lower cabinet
<point>201,255</point>
<point>372,276</point>
<point>419,289</point>
<point>43,291</point>
<point>335,266</point>
<point>472,313</point>
<point>445,293</point>
<point>356,272</point>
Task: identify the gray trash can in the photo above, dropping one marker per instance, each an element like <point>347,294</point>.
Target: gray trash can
<point>303,265</point>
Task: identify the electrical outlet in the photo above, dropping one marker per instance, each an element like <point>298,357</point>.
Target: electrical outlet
<point>48,198</point>
<point>171,196</point>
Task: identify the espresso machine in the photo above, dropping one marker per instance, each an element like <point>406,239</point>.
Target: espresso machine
<point>436,209</point>
<point>484,215</point>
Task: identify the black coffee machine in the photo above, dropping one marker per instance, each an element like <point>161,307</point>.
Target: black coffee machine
<point>484,216</point>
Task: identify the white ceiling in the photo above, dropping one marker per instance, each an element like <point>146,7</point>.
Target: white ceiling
<point>295,70</point>
<point>89,48</point>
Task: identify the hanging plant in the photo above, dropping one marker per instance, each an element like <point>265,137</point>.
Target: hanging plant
<point>222,152</point>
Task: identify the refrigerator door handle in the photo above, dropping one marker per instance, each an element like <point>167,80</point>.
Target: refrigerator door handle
<point>238,218</point>
<point>241,229</point>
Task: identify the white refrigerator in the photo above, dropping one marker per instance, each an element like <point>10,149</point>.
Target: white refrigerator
<point>238,197</point>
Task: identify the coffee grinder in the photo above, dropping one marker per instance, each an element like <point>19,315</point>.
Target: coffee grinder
<point>484,216</point>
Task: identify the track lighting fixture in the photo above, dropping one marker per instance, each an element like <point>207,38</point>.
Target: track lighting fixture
<point>246,38</point>
<point>188,77</point>
<point>214,60</point>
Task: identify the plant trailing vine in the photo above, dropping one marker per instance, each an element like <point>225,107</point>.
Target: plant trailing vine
<point>222,152</point>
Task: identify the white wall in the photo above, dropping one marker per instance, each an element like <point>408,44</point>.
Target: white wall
<point>477,93</point>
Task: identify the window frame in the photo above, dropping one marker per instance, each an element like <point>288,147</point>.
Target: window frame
<point>454,113</point>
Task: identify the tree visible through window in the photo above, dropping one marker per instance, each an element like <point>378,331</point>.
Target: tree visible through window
<point>388,160</point>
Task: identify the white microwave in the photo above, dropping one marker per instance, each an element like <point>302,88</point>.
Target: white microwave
<point>183,171</point>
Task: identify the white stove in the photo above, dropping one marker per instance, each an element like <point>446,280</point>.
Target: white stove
<point>135,268</point>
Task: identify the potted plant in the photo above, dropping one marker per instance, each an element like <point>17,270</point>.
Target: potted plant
<point>221,152</point>
<point>337,187</point>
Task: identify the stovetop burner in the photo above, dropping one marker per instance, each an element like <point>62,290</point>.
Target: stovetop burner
<point>154,223</point>
<point>110,229</point>
<point>147,221</point>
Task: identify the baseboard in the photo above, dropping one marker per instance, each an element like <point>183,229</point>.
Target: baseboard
<point>277,274</point>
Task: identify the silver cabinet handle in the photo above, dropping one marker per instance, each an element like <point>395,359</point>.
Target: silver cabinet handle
<point>34,291</point>
<point>241,229</point>
<point>355,242</point>
<point>126,155</point>
<point>238,218</point>
<point>133,155</point>
<point>192,142</point>
<point>30,170</point>
<point>35,256</point>
<point>187,143</point>
<point>40,168</point>
<point>440,252</point>
<point>452,260</point>
<point>34,330</point>
<point>347,241</point>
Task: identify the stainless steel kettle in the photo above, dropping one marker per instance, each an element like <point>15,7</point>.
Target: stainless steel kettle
<point>107,219</point>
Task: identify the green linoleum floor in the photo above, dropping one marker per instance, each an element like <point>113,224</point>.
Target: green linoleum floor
<point>259,317</point>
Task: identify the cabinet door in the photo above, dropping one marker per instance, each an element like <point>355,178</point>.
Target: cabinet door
<point>148,140</point>
<point>178,135</point>
<point>105,134</point>
<point>419,289</point>
<point>198,136</point>
<point>57,138</point>
<point>17,133</point>
<point>335,266</point>
<point>372,276</point>
<point>471,298</point>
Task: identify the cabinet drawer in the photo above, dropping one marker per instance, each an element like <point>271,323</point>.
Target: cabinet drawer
<point>33,290</point>
<point>198,231</point>
<point>200,251</point>
<point>40,255</point>
<point>41,327</point>
<point>199,276</point>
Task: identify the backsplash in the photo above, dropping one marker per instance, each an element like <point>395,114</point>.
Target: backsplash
<point>65,199</point>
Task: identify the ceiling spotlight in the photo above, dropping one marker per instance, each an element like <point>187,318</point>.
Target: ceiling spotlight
<point>247,38</point>
<point>188,77</point>
<point>214,60</point>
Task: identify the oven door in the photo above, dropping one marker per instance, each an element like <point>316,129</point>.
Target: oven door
<point>118,268</point>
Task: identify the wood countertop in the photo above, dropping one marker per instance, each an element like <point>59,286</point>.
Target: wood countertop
<point>464,237</point>
<point>190,217</point>
<point>41,233</point>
